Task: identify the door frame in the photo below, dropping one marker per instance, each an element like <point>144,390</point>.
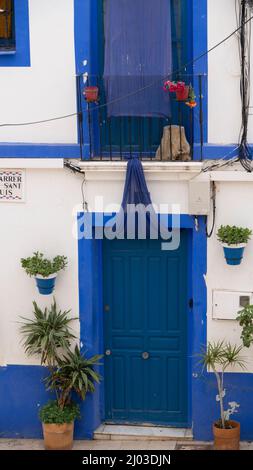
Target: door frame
<point>90,261</point>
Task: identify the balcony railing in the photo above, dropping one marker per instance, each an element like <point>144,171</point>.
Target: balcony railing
<point>148,138</point>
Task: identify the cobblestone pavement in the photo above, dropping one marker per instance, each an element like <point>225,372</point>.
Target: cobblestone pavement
<point>30,444</point>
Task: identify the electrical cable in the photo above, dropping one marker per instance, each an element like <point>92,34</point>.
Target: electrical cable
<point>209,234</point>
<point>75,169</point>
<point>245,153</point>
<point>95,108</point>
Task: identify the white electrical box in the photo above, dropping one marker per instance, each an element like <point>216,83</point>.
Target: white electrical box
<point>199,197</point>
<point>227,304</point>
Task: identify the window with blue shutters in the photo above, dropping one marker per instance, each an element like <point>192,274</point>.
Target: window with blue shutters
<point>7,28</point>
<point>14,33</point>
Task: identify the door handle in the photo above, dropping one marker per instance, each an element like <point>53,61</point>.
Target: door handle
<point>145,356</point>
<point>108,352</point>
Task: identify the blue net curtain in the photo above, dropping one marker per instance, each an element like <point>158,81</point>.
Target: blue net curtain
<point>138,52</point>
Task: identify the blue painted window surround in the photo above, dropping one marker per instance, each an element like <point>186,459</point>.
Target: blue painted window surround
<point>18,55</point>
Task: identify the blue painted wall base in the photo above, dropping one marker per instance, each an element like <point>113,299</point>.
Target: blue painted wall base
<point>22,392</point>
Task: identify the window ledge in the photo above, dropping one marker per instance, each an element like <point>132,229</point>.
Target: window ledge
<point>8,51</point>
<point>32,163</point>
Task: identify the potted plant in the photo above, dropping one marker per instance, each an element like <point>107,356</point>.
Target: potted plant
<point>234,240</point>
<point>183,92</point>
<point>180,88</point>
<point>44,270</point>
<point>245,319</point>
<point>217,357</point>
<point>49,335</point>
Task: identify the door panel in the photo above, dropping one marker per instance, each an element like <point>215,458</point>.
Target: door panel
<point>145,320</point>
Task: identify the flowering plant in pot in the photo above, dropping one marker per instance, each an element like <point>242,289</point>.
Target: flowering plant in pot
<point>217,357</point>
<point>183,92</point>
<point>44,270</point>
<point>48,334</point>
<point>234,240</point>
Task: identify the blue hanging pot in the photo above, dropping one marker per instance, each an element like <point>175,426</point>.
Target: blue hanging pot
<point>234,253</point>
<point>46,285</point>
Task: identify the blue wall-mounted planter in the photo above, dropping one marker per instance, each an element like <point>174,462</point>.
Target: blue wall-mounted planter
<point>46,285</point>
<point>234,254</point>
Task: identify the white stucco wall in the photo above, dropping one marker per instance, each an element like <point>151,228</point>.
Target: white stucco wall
<point>234,201</point>
<point>46,89</point>
<point>224,104</point>
<point>45,223</point>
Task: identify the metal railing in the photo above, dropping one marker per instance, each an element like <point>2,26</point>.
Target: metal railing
<point>148,138</point>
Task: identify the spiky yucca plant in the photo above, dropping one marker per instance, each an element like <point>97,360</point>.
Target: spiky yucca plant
<point>75,373</point>
<point>47,333</point>
<point>217,357</point>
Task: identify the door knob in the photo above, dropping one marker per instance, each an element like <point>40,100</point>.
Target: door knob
<point>145,355</point>
<point>108,352</point>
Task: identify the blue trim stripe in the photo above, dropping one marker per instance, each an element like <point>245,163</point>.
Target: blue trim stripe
<point>200,67</point>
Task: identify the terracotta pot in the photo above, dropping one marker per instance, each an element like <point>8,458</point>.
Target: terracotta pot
<point>91,94</point>
<point>58,436</point>
<point>227,439</point>
<point>183,94</point>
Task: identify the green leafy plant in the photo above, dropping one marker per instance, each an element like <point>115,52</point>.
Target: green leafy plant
<point>47,333</point>
<point>51,413</point>
<point>217,357</point>
<point>75,374</point>
<point>38,264</point>
<point>232,235</point>
<point>245,319</point>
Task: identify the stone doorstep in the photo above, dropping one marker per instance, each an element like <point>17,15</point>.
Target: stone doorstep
<point>141,433</point>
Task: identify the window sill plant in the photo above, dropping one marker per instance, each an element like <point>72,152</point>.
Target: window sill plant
<point>234,240</point>
<point>44,270</point>
<point>49,335</point>
<point>217,357</point>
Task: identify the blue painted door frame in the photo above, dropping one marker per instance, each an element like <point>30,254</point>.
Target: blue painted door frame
<point>91,318</point>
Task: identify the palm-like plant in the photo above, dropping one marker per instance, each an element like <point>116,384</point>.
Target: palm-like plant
<point>47,333</point>
<point>75,373</point>
<point>217,357</point>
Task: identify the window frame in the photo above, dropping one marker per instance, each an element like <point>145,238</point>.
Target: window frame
<point>8,45</point>
<point>19,55</point>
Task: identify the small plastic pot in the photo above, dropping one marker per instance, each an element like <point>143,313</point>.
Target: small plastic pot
<point>91,94</point>
<point>46,285</point>
<point>183,95</point>
<point>234,253</point>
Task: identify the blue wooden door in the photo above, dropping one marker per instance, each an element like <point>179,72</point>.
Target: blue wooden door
<point>145,329</point>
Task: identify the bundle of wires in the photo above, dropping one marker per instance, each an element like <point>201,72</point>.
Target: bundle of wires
<point>243,11</point>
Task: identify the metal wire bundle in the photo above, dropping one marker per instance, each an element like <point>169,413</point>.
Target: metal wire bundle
<point>242,14</point>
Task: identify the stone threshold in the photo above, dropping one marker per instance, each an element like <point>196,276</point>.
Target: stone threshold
<point>116,432</point>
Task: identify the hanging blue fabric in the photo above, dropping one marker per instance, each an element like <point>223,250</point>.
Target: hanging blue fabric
<point>138,52</point>
<point>135,191</point>
<point>136,208</point>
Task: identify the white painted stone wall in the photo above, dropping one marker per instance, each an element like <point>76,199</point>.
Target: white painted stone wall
<point>45,223</point>
<point>46,89</point>
<point>224,104</point>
